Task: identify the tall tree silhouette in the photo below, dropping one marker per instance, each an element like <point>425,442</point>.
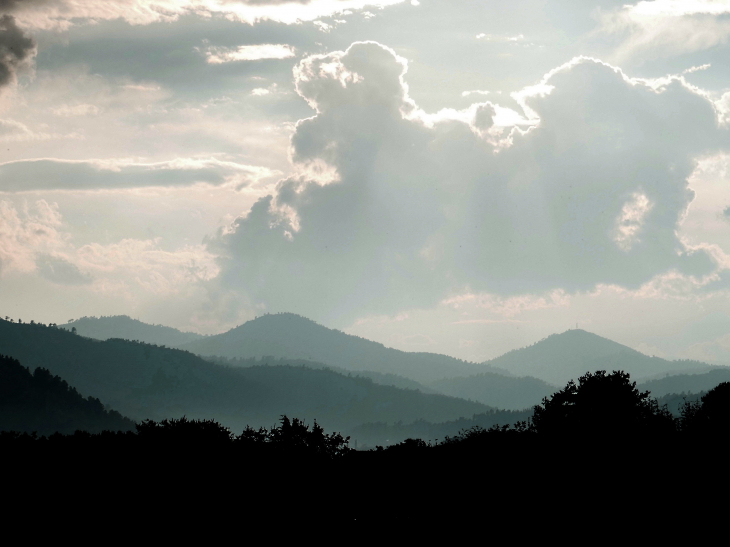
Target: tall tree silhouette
<point>601,404</point>
<point>711,414</point>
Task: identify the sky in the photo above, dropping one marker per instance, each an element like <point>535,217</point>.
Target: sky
<point>454,176</point>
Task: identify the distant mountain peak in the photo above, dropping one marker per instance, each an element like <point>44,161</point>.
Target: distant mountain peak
<point>568,355</point>
<point>123,326</point>
<point>292,336</point>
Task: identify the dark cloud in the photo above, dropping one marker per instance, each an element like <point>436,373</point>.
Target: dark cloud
<point>16,49</point>
<point>726,212</point>
<point>593,194</point>
<point>10,6</point>
<point>59,270</point>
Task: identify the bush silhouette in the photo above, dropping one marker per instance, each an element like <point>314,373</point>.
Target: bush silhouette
<point>183,431</point>
<point>711,414</point>
<point>601,404</point>
<point>297,437</point>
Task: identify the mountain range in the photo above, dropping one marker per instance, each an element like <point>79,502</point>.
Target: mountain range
<point>515,380</point>
<point>562,357</point>
<point>290,336</point>
<point>148,381</point>
<point>250,386</point>
<point>123,326</point>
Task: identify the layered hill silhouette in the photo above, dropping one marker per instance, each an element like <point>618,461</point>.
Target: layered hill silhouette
<point>502,391</point>
<point>123,326</point>
<point>289,338</point>
<point>45,404</point>
<point>687,383</point>
<point>381,378</point>
<point>146,381</point>
<point>562,357</point>
<point>292,336</point>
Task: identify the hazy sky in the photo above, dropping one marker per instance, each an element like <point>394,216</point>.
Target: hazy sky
<point>454,176</point>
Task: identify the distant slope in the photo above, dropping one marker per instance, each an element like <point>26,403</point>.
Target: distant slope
<point>496,390</point>
<point>562,357</point>
<point>145,381</point>
<point>371,434</point>
<point>686,383</point>
<point>675,401</point>
<point>46,404</point>
<point>122,326</point>
<point>292,336</point>
<point>384,379</point>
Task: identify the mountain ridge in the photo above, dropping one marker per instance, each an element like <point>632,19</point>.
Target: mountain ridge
<point>147,381</point>
<point>566,356</point>
<point>287,335</point>
<point>123,326</point>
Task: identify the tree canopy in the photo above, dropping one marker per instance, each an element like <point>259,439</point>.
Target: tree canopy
<point>601,404</point>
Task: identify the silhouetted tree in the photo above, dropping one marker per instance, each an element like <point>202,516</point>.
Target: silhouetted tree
<point>711,414</point>
<point>601,404</point>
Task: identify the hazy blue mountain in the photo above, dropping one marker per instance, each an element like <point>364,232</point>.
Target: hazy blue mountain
<point>675,401</point>
<point>496,390</point>
<point>562,357</point>
<point>46,404</point>
<point>381,378</point>
<point>371,434</point>
<point>292,336</point>
<point>147,381</point>
<point>686,383</point>
<point>122,326</point>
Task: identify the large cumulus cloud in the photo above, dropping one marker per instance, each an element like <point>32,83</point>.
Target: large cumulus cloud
<point>394,208</point>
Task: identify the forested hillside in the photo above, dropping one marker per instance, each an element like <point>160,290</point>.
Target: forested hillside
<point>122,326</point>
<point>689,383</point>
<point>146,381</point>
<point>496,390</point>
<point>286,335</point>
<point>42,403</point>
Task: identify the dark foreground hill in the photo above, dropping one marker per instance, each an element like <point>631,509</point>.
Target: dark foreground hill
<point>122,326</point>
<point>46,404</point>
<point>145,381</point>
<point>562,357</point>
<point>292,336</point>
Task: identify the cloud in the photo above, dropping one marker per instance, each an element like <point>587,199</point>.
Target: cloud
<point>59,270</point>
<point>218,55</point>
<point>411,207</point>
<point>16,50</point>
<point>61,14</point>
<point>27,232</point>
<point>72,111</point>
<point>665,28</point>
<point>499,38</point>
<point>13,131</point>
<point>133,266</point>
<point>34,240</point>
<point>57,174</point>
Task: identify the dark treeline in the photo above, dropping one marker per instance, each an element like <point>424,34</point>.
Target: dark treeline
<point>599,447</point>
<point>598,406</point>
